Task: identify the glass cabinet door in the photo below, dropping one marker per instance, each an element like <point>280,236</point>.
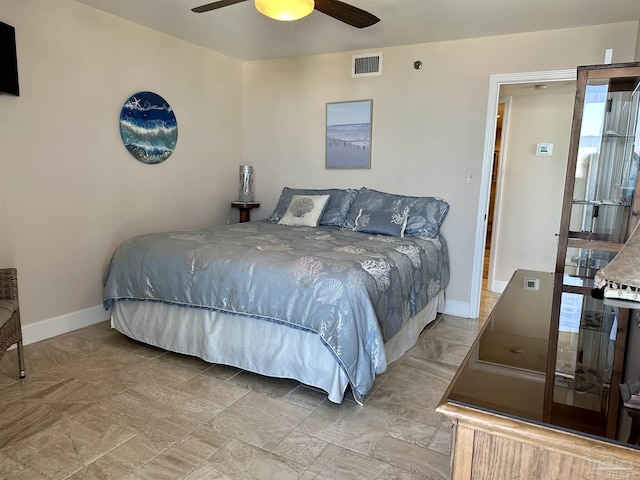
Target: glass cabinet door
<point>606,169</point>
<point>597,218</point>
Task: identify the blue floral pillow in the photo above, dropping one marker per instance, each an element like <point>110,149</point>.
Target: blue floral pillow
<point>336,211</point>
<point>381,223</point>
<point>425,214</point>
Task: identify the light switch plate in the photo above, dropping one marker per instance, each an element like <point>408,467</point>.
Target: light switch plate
<point>470,177</point>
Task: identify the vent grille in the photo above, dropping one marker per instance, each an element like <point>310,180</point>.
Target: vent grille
<point>366,65</point>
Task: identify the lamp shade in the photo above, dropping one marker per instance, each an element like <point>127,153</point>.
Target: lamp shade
<point>285,10</point>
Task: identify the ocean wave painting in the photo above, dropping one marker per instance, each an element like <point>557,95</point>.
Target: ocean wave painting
<point>348,141</point>
<point>148,127</point>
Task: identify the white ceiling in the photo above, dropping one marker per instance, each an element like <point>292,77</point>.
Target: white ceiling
<point>240,31</point>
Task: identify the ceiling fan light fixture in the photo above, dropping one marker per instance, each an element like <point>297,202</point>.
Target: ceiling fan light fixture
<point>285,10</point>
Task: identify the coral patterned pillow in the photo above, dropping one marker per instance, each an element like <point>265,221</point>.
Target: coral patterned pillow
<point>381,223</point>
<point>304,210</point>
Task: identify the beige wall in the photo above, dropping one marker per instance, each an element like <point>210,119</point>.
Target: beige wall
<point>428,124</point>
<point>69,190</point>
<point>528,217</point>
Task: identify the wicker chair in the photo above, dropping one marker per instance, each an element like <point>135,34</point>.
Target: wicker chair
<point>10,327</point>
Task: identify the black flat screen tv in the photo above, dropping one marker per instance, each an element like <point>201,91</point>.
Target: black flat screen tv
<point>8,60</point>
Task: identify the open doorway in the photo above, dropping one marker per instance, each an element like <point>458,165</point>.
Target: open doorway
<point>527,185</point>
<point>493,189</point>
<point>489,295</point>
<point>496,155</point>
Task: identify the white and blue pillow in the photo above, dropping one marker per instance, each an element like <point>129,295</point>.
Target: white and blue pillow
<point>337,208</point>
<point>304,211</point>
<point>381,223</point>
<point>425,214</point>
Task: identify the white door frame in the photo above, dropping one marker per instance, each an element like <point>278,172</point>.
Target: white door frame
<point>495,81</point>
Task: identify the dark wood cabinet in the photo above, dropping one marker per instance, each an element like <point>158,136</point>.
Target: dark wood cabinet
<point>600,210</point>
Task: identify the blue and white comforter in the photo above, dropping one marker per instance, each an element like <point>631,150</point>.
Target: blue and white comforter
<point>354,290</point>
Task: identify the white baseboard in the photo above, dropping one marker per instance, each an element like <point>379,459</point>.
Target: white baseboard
<point>457,308</point>
<point>498,286</point>
<point>35,332</point>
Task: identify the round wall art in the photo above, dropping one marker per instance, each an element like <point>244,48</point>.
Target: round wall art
<point>148,127</point>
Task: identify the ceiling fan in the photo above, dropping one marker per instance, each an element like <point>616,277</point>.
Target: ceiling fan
<point>344,12</point>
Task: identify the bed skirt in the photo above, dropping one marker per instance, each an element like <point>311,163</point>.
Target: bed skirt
<point>252,344</point>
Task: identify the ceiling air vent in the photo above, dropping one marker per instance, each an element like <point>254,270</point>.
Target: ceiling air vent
<point>366,65</point>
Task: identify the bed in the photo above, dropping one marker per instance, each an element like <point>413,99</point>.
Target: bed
<point>331,288</point>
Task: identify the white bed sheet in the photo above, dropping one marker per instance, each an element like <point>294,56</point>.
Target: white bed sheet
<point>246,342</point>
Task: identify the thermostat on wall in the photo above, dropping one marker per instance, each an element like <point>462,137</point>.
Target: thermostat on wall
<point>544,149</point>
<point>531,283</point>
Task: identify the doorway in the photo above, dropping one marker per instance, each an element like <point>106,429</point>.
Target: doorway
<point>493,190</point>
<point>497,83</point>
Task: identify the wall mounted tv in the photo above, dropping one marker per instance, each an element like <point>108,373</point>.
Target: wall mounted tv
<point>8,60</point>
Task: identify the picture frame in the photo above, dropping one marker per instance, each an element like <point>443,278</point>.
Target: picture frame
<point>348,134</point>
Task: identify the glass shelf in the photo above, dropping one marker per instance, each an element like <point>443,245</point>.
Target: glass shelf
<point>597,217</point>
<point>608,203</point>
<point>577,281</point>
<point>583,263</point>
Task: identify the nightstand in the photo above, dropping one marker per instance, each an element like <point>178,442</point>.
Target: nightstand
<point>245,209</point>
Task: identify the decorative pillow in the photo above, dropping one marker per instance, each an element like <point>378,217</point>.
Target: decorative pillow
<point>337,208</point>
<point>304,210</point>
<point>425,214</point>
<point>382,223</point>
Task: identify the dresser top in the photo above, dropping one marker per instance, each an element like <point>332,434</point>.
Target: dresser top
<point>505,370</point>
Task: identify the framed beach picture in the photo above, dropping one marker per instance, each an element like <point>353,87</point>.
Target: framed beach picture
<point>348,142</point>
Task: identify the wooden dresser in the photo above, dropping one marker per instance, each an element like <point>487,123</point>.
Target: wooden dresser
<point>497,401</point>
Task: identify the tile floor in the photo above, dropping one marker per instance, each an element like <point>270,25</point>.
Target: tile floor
<point>97,405</point>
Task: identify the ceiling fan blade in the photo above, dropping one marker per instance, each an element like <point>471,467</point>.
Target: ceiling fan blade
<point>215,5</point>
<point>346,13</point>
